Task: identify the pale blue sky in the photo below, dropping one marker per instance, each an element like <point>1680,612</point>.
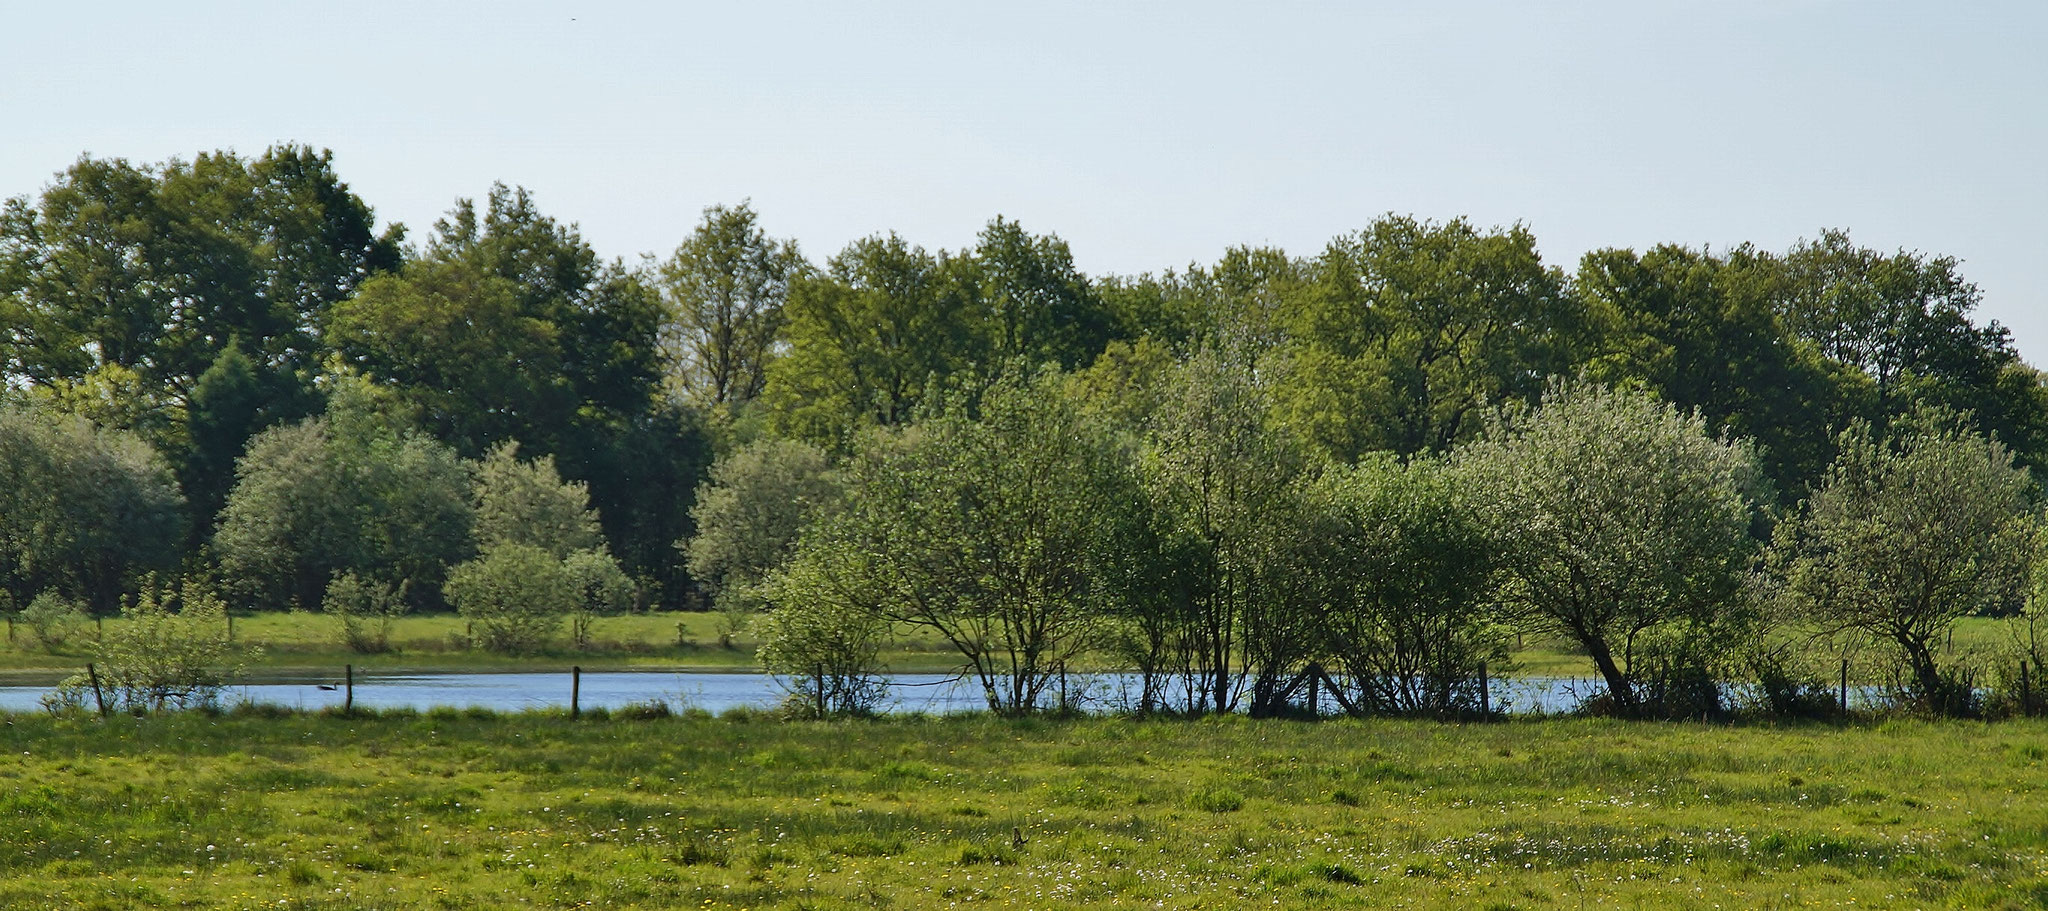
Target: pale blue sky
<point>1149,135</point>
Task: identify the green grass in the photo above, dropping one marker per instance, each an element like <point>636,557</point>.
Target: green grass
<point>289,640</point>
<point>459,810</point>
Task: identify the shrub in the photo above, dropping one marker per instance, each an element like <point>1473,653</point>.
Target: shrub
<point>366,609</point>
<point>170,650</point>
<point>52,619</point>
<point>514,597</point>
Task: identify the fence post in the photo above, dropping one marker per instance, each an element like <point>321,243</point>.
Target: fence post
<point>1845,686</point>
<point>1485,692</point>
<point>575,691</point>
<point>348,695</point>
<point>93,674</point>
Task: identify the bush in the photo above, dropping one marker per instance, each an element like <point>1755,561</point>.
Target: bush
<point>366,609</point>
<point>514,597</point>
<point>52,619</point>
<point>825,654</point>
<point>170,650</point>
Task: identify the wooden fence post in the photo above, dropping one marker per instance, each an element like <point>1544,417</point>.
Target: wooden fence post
<point>575,691</point>
<point>1845,686</point>
<point>348,695</point>
<point>1485,692</point>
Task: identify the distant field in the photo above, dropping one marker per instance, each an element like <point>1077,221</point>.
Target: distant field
<point>433,642</point>
<point>453,811</point>
<point>653,640</point>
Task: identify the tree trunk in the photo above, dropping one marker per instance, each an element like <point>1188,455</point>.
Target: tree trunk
<point>1618,687</point>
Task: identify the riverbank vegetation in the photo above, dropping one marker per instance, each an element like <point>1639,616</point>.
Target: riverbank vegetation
<point>471,810</point>
<point>1362,471</point>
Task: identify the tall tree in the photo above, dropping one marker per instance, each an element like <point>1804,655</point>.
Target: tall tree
<point>1412,327</point>
<point>1621,525</point>
<point>157,268</point>
<point>1909,534</point>
<point>1037,305</point>
<point>1702,332</point>
<point>723,291</point>
<point>865,338</point>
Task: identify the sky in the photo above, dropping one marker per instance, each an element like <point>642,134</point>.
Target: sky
<point>1148,135</point>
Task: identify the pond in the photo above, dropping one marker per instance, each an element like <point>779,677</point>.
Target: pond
<point>717,692</point>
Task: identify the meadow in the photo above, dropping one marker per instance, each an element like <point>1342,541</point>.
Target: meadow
<point>450,810</point>
<point>295,640</point>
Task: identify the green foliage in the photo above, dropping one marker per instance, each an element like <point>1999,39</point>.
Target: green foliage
<point>982,528</point>
<point>1704,332</point>
<point>600,588</point>
<point>344,492</point>
<point>1621,525</point>
<point>83,511</point>
<point>1408,567</point>
<point>171,652</point>
<point>366,608</point>
<point>864,338</point>
<point>722,294</point>
<point>824,650</point>
<point>527,502</point>
<point>52,619</point>
<point>1908,534</point>
<point>1412,328</point>
<point>157,269</point>
<point>748,516</point>
<point>514,597</point>
<point>1225,480</point>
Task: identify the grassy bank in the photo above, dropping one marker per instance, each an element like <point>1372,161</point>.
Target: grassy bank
<point>283,640</point>
<point>461,811</point>
<point>287,640</point>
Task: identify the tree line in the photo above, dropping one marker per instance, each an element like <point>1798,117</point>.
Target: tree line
<point>1223,474</point>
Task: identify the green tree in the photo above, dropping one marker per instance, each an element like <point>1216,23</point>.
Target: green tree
<point>527,502</point>
<point>823,641</point>
<point>750,512</point>
<point>83,510</point>
<point>155,270</point>
<point>1407,568</point>
<point>1410,328</point>
<point>366,608</point>
<point>1036,305</point>
<point>169,650</point>
<point>1227,481</point>
<point>1622,526</point>
<point>865,337</point>
<point>345,492</point>
<point>509,328</point>
<point>1703,332</point>
<point>723,291</point>
<point>1907,534</point>
<point>978,523</point>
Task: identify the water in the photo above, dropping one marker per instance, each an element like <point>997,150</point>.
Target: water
<point>717,692</point>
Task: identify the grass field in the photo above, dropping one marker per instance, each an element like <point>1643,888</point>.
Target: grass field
<point>449,811</point>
